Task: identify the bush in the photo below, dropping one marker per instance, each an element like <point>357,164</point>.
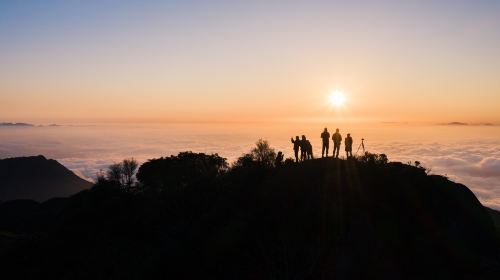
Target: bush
<point>245,161</point>
<point>370,158</point>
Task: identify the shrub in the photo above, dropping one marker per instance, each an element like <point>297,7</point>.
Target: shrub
<point>373,158</point>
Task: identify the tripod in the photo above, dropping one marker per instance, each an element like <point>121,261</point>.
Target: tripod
<point>362,145</point>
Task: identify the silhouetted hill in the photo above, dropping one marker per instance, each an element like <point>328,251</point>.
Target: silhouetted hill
<point>495,216</point>
<point>37,178</point>
<point>321,219</point>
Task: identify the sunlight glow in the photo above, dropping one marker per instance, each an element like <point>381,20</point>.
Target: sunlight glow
<point>337,98</point>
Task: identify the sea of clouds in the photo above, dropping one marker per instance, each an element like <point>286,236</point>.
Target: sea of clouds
<point>468,155</point>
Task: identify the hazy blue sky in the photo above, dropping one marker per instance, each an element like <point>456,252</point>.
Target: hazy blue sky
<point>71,61</point>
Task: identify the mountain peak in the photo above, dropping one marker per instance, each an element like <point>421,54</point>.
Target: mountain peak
<point>37,178</point>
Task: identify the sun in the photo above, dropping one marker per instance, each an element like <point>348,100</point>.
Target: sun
<point>337,98</point>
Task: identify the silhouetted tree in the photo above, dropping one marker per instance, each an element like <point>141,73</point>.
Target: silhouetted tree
<point>121,173</point>
<point>115,173</point>
<point>185,169</point>
<point>263,154</point>
<point>129,167</point>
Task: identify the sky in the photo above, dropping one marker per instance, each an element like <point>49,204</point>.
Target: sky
<point>216,61</point>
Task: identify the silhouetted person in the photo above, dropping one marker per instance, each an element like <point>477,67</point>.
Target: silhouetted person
<point>348,145</point>
<point>337,139</point>
<point>309,150</point>
<point>296,146</point>
<point>279,159</point>
<point>303,148</point>
<point>325,136</point>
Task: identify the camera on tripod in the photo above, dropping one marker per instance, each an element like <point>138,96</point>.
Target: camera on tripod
<point>362,145</point>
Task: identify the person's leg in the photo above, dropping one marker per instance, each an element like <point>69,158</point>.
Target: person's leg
<point>323,150</point>
<point>327,148</point>
<point>296,155</point>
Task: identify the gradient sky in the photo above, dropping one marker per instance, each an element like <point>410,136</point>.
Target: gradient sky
<point>101,61</point>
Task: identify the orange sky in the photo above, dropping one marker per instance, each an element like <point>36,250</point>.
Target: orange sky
<point>266,61</point>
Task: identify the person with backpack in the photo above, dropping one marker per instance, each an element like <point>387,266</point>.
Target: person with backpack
<point>309,150</point>
<point>337,139</point>
<point>303,148</point>
<point>348,145</point>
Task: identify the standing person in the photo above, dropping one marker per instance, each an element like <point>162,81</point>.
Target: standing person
<point>309,150</point>
<point>303,148</point>
<point>337,139</point>
<point>326,142</point>
<point>348,145</point>
<point>296,146</point>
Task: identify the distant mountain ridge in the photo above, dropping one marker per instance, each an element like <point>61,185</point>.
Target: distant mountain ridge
<point>15,124</point>
<point>467,124</point>
<point>37,178</point>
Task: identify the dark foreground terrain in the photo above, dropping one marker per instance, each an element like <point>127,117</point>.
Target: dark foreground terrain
<point>322,219</point>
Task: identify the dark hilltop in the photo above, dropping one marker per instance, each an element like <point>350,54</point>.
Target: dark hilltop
<point>191,216</point>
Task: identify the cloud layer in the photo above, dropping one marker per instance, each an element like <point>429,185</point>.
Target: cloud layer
<point>474,162</point>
